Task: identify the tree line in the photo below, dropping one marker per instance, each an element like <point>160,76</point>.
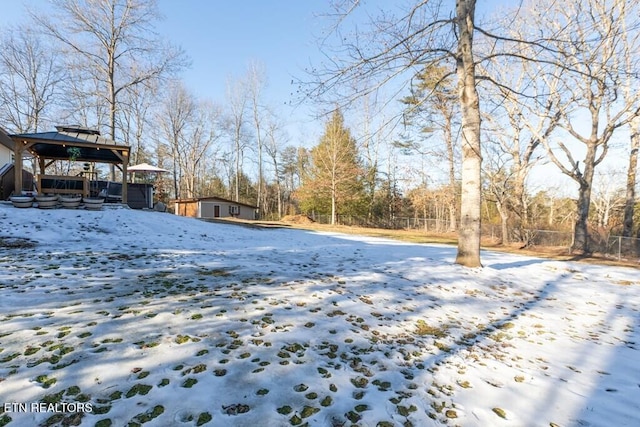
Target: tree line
<point>430,111</point>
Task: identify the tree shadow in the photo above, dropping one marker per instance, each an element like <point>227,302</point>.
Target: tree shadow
<point>515,264</point>
<point>337,309</point>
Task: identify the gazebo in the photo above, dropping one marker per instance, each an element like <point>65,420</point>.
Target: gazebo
<point>68,142</point>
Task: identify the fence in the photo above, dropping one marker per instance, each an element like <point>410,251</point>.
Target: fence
<point>618,247</point>
<point>430,225</point>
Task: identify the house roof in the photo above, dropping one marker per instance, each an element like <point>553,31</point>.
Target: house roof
<point>92,147</point>
<point>6,140</point>
<point>214,199</point>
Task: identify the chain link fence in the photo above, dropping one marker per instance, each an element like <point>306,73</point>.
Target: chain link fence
<point>617,247</point>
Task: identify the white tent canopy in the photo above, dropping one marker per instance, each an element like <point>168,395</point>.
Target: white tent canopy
<point>146,167</point>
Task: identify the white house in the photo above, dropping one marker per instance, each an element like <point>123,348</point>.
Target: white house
<point>214,207</point>
<point>6,148</point>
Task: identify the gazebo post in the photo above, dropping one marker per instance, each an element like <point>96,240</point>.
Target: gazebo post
<point>17,168</point>
<point>125,163</point>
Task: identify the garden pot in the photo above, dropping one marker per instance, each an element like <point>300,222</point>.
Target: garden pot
<point>92,203</point>
<point>22,201</point>
<point>47,202</point>
<point>70,202</point>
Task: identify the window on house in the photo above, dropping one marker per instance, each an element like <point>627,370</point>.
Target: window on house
<point>234,210</point>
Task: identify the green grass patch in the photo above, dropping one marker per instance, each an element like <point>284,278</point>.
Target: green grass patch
<point>308,411</point>
<point>141,389</point>
<point>189,382</point>
<point>145,417</point>
<point>9,357</point>
<point>53,398</point>
<point>284,410</point>
<point>45,381</point>
<point>203,419</point>
<point>31,350</point>
<point>73,390</point>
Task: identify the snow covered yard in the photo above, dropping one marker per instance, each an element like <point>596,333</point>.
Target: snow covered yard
<point>148,318</point>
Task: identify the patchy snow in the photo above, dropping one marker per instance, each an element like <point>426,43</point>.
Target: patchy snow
<point>168,321</point>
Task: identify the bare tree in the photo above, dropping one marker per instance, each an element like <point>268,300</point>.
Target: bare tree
<point>237,103</point>
<point>499,178</point>
<point>469,234</point>
<point>275,139</point>
<point>117,43</point>
<point>630,83</point>
<point>434,100</point>
<point>256,82</point>
<point>195,145</point>
<point>632,171</point>
<point>77,106</point>
<point>585,78</point>
<point>425,33</point>
<point>293,162</point>
<point>173,119</point>
<point>133,120</point>
<point>30,76</point>
<point>518,122</point>
<point>608,198</point>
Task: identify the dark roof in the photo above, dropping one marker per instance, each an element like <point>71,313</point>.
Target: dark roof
<point>214,199</point>
<point>54,145</point>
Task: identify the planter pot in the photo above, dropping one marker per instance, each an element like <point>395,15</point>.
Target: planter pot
<point>70,202</point>
<point>22,201</point>
<point>92,204</point>
<point>47,202</point>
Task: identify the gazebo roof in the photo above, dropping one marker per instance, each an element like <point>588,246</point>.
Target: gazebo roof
<point>54,145</point>
<point>88,146</point>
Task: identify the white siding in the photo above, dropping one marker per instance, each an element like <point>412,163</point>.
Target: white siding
<point>6,155</point>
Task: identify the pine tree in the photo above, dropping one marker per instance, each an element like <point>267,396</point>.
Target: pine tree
<point>333,182</point>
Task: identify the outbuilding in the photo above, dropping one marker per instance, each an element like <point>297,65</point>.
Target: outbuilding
<point>214,207</point>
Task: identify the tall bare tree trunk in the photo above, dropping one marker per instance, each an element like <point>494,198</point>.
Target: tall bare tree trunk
<point>469,231</point>
<point>112,113</point>
<point>504,223</point>
<point>630,199</point>
<point>333,205</point>
<point>448,136</point>
<point>581,231</point>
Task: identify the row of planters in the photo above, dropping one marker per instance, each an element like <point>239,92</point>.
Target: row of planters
<point>54,201</point>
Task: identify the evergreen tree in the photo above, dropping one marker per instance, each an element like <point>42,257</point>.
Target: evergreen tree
<point>333,182</point>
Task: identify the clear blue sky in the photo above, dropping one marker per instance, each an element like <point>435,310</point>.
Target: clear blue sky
<point>222,37</point>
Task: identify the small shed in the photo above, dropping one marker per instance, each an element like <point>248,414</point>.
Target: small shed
<point>214,207</point>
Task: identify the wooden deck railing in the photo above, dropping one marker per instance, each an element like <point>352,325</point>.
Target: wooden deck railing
<point>60,184</point>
